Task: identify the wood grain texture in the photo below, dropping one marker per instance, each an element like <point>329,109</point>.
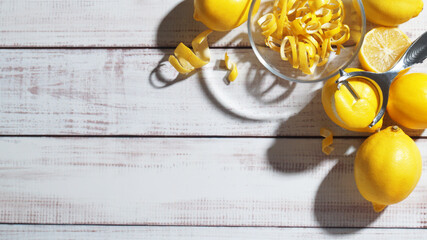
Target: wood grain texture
<point>111,23</point>
<point>49,232</point>
<point>192,182</point>
<point>168,188</point>
<point>104,23</point>
<point>134,92</point>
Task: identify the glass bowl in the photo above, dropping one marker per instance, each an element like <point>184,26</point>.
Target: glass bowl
<point>354,18</point>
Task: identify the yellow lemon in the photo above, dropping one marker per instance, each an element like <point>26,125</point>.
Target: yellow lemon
<point>391,12</point>
<point>381,48</point>
<point>345,111</point>
<point>222,15</point>
<point>408,101</point>
<point>387,167</point>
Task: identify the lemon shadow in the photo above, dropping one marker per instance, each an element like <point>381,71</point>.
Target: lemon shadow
<point>168,37</point>
<point>338,203</point>
<point>413,133</point>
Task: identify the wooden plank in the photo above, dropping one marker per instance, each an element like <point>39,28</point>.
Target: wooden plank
<point>51,232</point>
<point>135,92</point>
<point>105,23</point>
<point>125,23</point>
<point>193,182</point>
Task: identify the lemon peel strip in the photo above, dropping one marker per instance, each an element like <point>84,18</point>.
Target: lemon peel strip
<point>185,61</point>
<point>232,67</point>
<point>268,24</point>
<point>327,141</point>
<point>282,18</point>
<point>305,32</point>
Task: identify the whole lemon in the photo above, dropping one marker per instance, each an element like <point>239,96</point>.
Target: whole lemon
<point>345,111</point>
<point>387,167</point>
<point>407,103</point>
<point>391,12</point>
<point>222,15</point>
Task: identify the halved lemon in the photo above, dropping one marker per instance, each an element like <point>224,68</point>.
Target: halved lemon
<point>381,48</point>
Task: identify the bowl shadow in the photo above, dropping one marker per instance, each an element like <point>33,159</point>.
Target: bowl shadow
<point>168,38</point>
<point>260,84</point>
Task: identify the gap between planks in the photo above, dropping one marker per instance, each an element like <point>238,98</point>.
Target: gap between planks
<point>112,48</point>
<point>188,136</point>
<point>33,232</point>
<point>177,136</point>
<point>198,226</point>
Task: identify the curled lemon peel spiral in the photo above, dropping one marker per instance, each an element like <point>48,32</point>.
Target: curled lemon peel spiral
<point>327,141</point>
<point>305,31</point>
<point>232,67</point>
<point>185,61</point>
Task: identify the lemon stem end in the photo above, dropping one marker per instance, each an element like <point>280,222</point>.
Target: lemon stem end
<point>378,207</point>
<point>395,128</point>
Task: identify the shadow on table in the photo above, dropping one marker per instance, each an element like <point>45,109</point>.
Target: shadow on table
<point>168,37</point>
<point>338,202</point>
<point>414,133</point>
<point>162,77</point>
<point>254,84</point>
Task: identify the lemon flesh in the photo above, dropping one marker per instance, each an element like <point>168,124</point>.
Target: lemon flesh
<point>381,48</point>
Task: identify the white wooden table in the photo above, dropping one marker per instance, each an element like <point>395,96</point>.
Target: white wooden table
<point>101,140</point>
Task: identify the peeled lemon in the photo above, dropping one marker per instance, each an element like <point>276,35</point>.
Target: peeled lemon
<point>391,12</point>
<point>222,15</point>
<point>407,104</point>
<point>387,167</point>
<point>345,111</point>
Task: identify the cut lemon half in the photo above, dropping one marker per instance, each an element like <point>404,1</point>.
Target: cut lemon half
<point>381,48</point>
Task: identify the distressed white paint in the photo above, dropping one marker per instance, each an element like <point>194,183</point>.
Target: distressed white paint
<point>49,232</point>
<point>191,181</point>
<point>167,181</point>
<point>110,92</point>
<point>124,23</point>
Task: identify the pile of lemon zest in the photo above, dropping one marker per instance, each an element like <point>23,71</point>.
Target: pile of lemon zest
<point>324,15</point>
<point>185,61</point>
<point>232,67</point>
<point>316,4</point>
<point>305,32</point>
<point>327,141</point>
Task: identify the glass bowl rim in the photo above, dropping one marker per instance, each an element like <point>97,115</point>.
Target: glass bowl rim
<point>280,75</point>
